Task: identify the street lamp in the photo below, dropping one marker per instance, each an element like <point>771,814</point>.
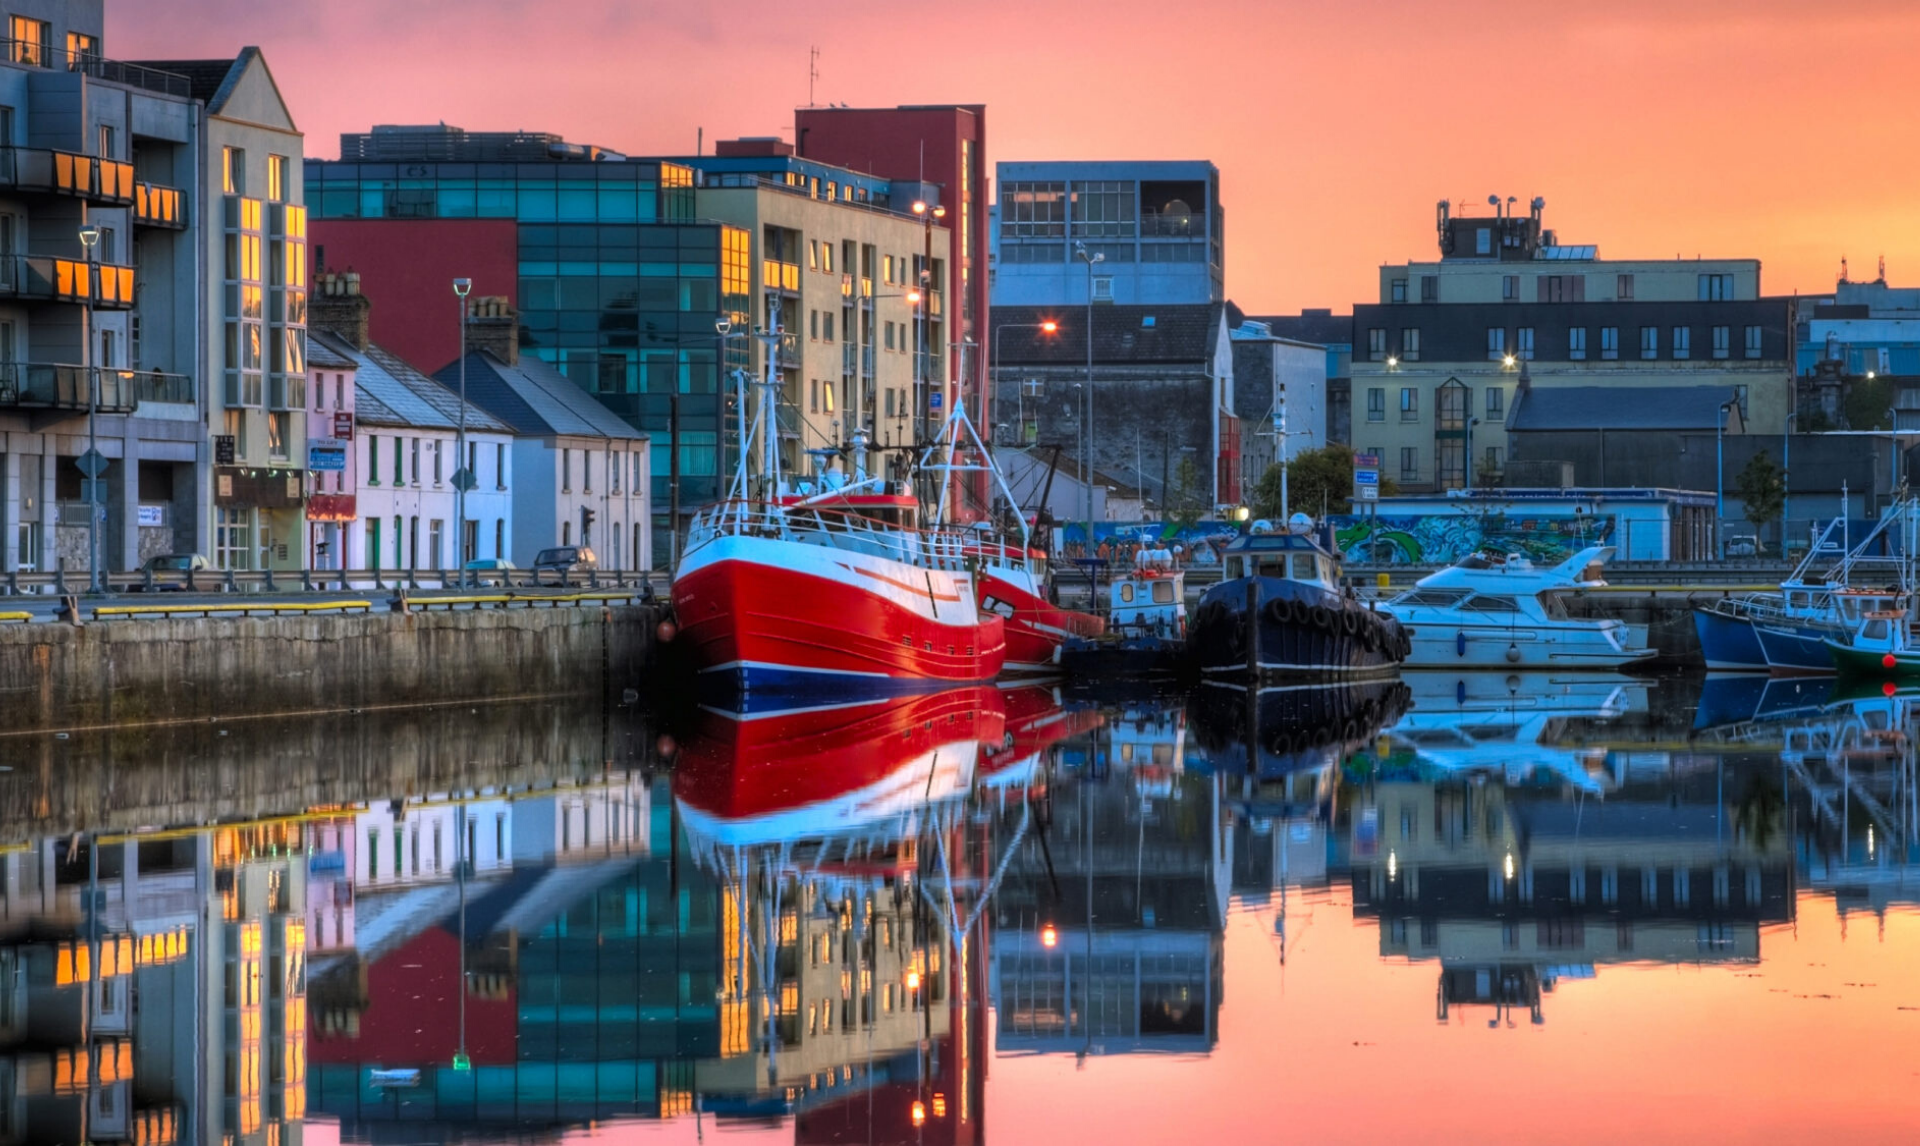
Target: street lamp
<point>90,239</point>
<point>929,214</point>
<point>1045,326</point>
<point>462,476</point>
<point>1720,477</point>
<point>1786,480</point>
<point>1091,259</point>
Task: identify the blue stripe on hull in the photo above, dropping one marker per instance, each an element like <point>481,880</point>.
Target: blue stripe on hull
<point>770,688</point>
<point>1728,642</point>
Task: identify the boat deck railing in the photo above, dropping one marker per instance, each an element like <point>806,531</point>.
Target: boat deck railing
<point>834,529</point>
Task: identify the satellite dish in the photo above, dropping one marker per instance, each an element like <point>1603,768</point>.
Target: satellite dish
<point>1299,524</point>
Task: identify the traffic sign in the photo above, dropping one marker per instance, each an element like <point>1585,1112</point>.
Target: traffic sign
<point>93,463</point>
<point>1366,477</point>
<point>463,480</point>
<point>93,491</point>
<point>935,400</point>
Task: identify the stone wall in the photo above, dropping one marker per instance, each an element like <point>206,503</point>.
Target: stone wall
<point>57,676</point>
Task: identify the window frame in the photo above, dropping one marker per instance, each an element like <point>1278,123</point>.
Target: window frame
<point>1576,344</point>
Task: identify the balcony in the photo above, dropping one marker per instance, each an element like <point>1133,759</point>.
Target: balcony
<point>105,181</point>
<point>34,54</point>
<point>157,206</point>
<point>105,285</point>
<point>55,386</point>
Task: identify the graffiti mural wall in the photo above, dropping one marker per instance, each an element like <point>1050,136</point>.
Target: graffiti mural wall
<point>1436,539</point>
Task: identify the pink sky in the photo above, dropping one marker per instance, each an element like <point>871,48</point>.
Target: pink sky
<point>1769,128</point>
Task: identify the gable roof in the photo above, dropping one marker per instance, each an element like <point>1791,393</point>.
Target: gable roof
<point>535,399</point>
<point>388,392</point>
<point>1122,335</point>
<point>1622,408</point>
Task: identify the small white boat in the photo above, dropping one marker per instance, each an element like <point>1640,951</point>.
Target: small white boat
<point>1502,611</point>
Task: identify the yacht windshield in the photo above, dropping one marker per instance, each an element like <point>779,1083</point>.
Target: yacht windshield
<point>1432,598</point>
<point>1492,604</point>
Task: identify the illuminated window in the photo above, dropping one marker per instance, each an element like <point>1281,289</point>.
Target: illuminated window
<point>30,39</point>
<point>276,178</point>
<point>233,166</point>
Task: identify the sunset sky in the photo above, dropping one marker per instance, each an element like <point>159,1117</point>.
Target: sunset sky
<point>1769,128</point>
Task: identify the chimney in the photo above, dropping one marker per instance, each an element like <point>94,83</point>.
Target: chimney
<point>338,307</point>
<point>493,325</point>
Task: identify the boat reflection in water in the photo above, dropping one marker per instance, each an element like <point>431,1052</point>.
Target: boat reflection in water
<point>854,875</point>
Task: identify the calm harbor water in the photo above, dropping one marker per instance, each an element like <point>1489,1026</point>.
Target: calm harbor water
<point>1493,908</point>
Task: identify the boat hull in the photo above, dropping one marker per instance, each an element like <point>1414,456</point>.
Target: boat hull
<point>765,615</point>
<point>1877,663</point>
<point>1303,634</point>
<point>1728,643</point>
<point>1035,627</point>
<point>1794,648</point>
<point>1522,646</point>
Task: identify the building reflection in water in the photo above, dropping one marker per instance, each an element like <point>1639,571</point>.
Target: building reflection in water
<point>809,918</point>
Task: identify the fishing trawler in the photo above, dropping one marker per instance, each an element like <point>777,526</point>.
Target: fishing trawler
<point>1303,625</point>
<point>1146,623</point>
<point>827,586</point>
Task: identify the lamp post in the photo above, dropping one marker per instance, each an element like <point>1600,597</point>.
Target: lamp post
<point>462,478</point>
<point>928,213</point>
<point>1720,479</point>
<point>1091,259</point>
<point>1786,480</point>
<point>1045,326</point>
<point>90,239</point>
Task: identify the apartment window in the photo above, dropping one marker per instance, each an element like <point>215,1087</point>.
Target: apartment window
<point>1682,342</point>
<point>566,471</point>
<point>1525,341</point>
<point>414,457</point>
<point>813,325</point>
<point>399,471</point>
<point>81,46</point>
<point>1492,464</point>
<point>1623,288</point>
<point>106,141</point>
<point>889,334</point>
<point>1496,343</point>
<point>1609,342</point>
<point>1577,343</point>
<point>826,326</point>
<point>1722,341</point>
<point>1399,290</point>
<point>889,401</point>
<point>1410,344</point>
<point>500,465</point>
<point>373,459</point>
<point>1753,345</point>
<point>1376,404</point>
<point>1509,288</point>
<point>1496,402</point>
<point>1409,463</point>
<point>1429,288</point>
<point>813,396</point>
<point>1649,342</point>
<point>233,167</point>
<point>1716,288</point>
<point>31,39</point>
<point>1483,241</point>
<point>438,446</point>
<point>277,178</point>
<point>499,537</point>
<point>813,254</point>
<point>1376,343</point>
<point>1561,288</point>
<point>1409,404</point>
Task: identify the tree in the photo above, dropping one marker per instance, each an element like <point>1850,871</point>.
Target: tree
<point>1762,489</point>
<point>1319,482</point>
<point>1186,501</point>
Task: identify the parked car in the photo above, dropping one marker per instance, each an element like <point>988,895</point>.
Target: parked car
<point>564,561</point>
<point>489,571</point>
<point>169,571</point>
<point>1743,545</point>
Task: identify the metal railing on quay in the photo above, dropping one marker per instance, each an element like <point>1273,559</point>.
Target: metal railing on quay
<point>524,584</point>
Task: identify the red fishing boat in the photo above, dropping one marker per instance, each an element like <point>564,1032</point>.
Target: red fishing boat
<point>828,588</point>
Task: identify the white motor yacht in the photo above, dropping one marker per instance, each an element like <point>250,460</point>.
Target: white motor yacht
<point>1503,611</point>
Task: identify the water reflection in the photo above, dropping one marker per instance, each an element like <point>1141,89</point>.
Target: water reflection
<point>837,925</point>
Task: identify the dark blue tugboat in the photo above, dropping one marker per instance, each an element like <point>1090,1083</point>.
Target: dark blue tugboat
<point>1304,624</point>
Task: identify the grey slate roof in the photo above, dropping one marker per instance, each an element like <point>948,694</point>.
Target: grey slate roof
<point>388,392</point>
<point>535,399</point>
<point>319,354</point>
<point>1620,408</point>
<point>1320,326</point>
<point>1180,333</point>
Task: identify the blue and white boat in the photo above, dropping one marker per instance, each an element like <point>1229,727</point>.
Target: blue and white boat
<point>1832,589</point>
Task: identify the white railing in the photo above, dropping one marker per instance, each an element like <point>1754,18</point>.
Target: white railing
<point>832,528</point>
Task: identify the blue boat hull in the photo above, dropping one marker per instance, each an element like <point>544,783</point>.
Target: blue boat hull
<point>1797,648</point>
<point>1728,643</point>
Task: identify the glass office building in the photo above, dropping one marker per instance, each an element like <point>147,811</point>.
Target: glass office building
<point>618,285</point>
